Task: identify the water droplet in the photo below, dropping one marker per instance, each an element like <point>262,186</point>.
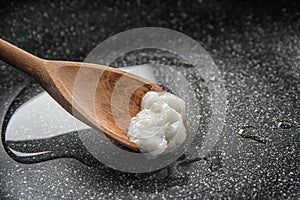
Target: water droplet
<point>250,132</point>
<point>285,125</point>
<point>213,78</point>
<point>241,131</point>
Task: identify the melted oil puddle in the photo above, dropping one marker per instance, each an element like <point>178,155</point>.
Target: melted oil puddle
<point>38,129</point>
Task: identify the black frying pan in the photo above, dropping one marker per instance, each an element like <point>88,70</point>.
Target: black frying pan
<point>256,46</point>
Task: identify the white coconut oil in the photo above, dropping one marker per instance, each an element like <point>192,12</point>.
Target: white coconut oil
<point>159,126</point>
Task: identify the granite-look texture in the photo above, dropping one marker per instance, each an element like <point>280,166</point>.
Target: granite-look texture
<point>256,45</point>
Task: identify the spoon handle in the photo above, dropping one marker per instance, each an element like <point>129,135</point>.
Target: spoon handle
<point>21,59</point>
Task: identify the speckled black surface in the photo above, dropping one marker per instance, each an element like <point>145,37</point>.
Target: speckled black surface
<point>257,48</point>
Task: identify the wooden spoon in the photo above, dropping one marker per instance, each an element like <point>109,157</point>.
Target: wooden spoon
<point>103,97</point>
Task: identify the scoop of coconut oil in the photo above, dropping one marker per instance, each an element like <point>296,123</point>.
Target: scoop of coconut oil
<point>159,126</point>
